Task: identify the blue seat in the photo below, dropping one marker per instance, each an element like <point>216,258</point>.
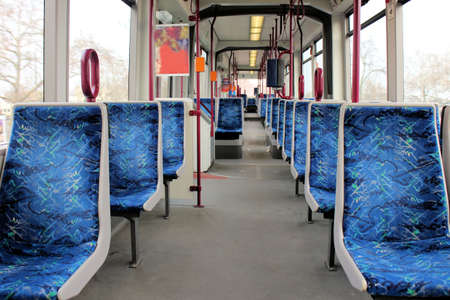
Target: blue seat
<point>244,99</point>
<point>174,114</point>
<point>392,238</point>
<point>280,123</point>
<point>268,113</point>
<point>262,107</point>
<point>230,117</point>
<point>174,136</point>
<point>274,115</point>
<point>207,102</point>
<point>287,140</point>
<point>321,165</point>
<point>321,156</point>
<point>251,105</point>
<point>300,131</point>
<point>55,220</point>
<point>135,159</point>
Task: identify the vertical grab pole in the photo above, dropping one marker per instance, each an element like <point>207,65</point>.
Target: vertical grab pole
<point>199,160</point>
<point>291,50</point>
<point>356,49</point>
<point>181,86</point>
<point>151,70</point>
<point>211,51</point>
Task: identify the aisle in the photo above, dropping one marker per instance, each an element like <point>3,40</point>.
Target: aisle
<point>250,242</point>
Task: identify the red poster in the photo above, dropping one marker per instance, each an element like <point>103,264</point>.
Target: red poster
<point>172,50</point>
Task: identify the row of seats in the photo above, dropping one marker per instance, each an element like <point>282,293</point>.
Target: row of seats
<point>68,168</point>
<point>375,171</point>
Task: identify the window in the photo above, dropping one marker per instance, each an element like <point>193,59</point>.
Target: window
<point>21,56</point>
<point>319,46</point>
<point>373,75</point>
<point>107,33</point>
<point>426,51</point>
<point>307,73</point>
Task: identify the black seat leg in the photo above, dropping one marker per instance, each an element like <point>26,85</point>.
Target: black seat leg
<point>331,266</point>
<point>167,199</point>
<point>296,187</point>
<point>309,219</point>
<point>135,259</point>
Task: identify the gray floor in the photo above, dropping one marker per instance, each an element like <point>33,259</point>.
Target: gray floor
<point>249,242</point>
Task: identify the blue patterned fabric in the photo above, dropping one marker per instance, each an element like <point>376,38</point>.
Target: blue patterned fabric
<point>244,99</point>
<point>251,102</point>
<point>133,155</point>
<point>230,115</point>
<point>280,124</point>
<point>300,134</point>
<point>207,102</point>
<point>269,112</point>
<point>323,154</point>
<point>173,136</point>
<point>287,146</point>
<point>49,198</point>
<point>274,113</point>
<point>263,108</point>
<point>395,212</point>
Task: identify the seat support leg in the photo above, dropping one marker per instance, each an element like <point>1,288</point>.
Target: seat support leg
<point>309,219</point>
<point>167,199</point>
<point>296,187</point>
<point>135,259</point>
<point>331,251</point>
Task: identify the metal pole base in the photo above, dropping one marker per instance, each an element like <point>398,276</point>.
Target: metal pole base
<point>199,206</point>
<point>309,219</point>
<point>330,263</point>
<point>167,199</point>
<point>135,259</point>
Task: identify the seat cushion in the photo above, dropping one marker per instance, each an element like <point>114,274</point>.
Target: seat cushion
<point>325,198</point>
<point>40,277</point>
<point>405,269</point>
<point>130,201</point>
<point>170,169</point>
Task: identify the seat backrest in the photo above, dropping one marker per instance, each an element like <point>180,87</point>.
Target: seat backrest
<point>280,123</point>
<point>262,107</point>
<point>174,117</point>
<point>230,116</point>
<point>274,115</point>
<point>251,101</point>
<point>134,147</point>
<point>390,174</point>
<point>54,186</point>
<point>207,103</point>
<point>269,112</point>
<point>288,122</point>
<point>322,149</point>
<point>300,131</point>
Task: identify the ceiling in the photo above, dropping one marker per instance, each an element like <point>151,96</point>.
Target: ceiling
<point>235,30</point>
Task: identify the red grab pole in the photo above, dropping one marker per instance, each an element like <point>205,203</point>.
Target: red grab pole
<point>291,50</point>
<point>151,70</point>
<point>90,74</point>
<point>199,160</point>
<point>211,51</point>
<point>356,49</point>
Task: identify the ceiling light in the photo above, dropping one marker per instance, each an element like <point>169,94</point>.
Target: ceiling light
<point>253,55</point>
<point>256,25</point>
<point>256,21</point>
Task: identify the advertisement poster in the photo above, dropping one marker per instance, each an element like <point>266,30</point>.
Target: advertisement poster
<point>172,50</point>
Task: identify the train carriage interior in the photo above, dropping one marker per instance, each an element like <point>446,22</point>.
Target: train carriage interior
<point>204,149</point>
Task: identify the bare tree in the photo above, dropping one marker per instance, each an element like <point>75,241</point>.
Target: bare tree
<point>428,78</point>
<point>373,72</point>
<point>21,50</point>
